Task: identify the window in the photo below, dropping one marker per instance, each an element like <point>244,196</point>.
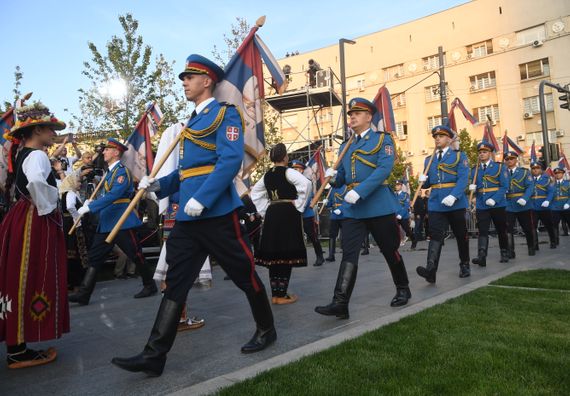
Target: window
<point>532,106</point>
<point>432,92</point>
<point>361,84</point>
<point>480,49</point>
<point>483,81</point>
<point>432,62</point>
<point>481,113</point>
<point>537,68</point>
<point>399,100</point>
<point>536,137</point>
<point>393,72</point>
<point>402,130</point>
<point>529,35</point>
<point>433,121</point>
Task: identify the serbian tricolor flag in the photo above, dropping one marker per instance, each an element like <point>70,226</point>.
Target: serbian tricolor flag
<point>138,158</point>
<point>457,103</point>
<point>6,123</point>
<point>563,162</point>
<point>533,158</point>
<point>243,86</point>
<point>516,148</point>
<point>383,120</point>
<point>489,136</point>
<point>315,168</point>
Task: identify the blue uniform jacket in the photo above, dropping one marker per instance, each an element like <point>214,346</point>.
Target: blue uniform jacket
<point>492,183</point>
<point>543,191</point>
<point>447,177</point>
<point>365,168</point>
<point>309,212</point>
<point>520,186</point>
<point>211,153</point>
<point>404,202</point>
<point>561,195</point>
<point>336,201</point>
<point>118,189</point>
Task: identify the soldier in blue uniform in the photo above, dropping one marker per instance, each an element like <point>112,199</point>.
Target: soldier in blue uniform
<point>519,204</point>
<point>335,203</point>
<point>371,207</point>
<point>211,154</point>
<point>542,195</point>
<point>491,187</point>
<point>309,223</point>
<point>118,189</point>
<point>448,178</point>
<point>403,214</point>
<point>561,204</point>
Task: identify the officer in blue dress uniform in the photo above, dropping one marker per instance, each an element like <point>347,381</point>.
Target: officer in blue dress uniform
<point>491,188</point>
<point>448,178</point>
<point>211,154</point>
<point>118,189</point>
<point>335,203</point>
<point>371,207</point>
<point>403,214</point>
<point>309,223</point>
<point>541,197</point>
<point>519,204</point>
<point>561,204</point>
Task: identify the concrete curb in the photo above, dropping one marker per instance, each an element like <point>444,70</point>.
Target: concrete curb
<point>215,384</point>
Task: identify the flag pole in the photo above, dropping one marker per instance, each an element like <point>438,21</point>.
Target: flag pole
<point>426,171</point>
<point>327,179</point>
<point>91,198</point>
<point>327,197</point>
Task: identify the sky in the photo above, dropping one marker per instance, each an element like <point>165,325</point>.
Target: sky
<point>49,38</point>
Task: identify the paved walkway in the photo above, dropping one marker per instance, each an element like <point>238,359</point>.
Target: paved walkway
<point>115,324</point>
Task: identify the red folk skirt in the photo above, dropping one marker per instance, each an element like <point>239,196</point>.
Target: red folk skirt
<point>33,276</point>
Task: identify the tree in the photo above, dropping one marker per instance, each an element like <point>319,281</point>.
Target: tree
<point>123,82</point>
<point>399,170</point>
<point>238,33</point>
<point>468,146</point>
<point>18,76</point>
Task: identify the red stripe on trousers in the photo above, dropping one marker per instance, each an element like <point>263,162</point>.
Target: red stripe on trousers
<point>246,250</point>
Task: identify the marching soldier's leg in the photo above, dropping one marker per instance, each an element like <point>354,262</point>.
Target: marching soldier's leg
<point>129,243</point>
<point>98,252</point>
<point>459,227</point>
<point>511,219</point>
<point>556,216</point>
<point>535,218</point>
<point>525,220</point>
<point>438,224</point>
<point>499,216</point>
<point>483,224</point>
<point>353,233</point>
<point>332,239</point>
<point>546,218</point>
<point>310,227</point>
<point>388,242</point>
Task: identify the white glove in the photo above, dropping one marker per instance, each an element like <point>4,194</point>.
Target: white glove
<point>330,172</point>
<point>399,217</point>
<point>422,178</point>
<point>472,187</point>
<point>149,183</point>
<point>449,200</point>
<point>193,208</point>
<point>325,202</point>
<point>337,212</point>
<point>566,206</point>
<point>545,204</point>
<point>87,202</point>
<point>490,202</point>
<point>84,209</point>
<point>351,197</point>
<point>521,201</point>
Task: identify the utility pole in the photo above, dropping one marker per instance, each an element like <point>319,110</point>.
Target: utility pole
<point>442,87</point>
<point>543,120</point>
<point>341,43</point>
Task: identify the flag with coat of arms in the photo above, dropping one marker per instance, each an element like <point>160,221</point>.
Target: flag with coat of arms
<point>315,169</point>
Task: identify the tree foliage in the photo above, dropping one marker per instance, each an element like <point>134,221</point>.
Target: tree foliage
<point>128,59</point>
<point>18,76</point>
<point>232,41</point>
<point>469,146</point>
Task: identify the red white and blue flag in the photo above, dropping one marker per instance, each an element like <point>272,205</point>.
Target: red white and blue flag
<point>563,162</point>
<point>508,142</point>
<point>139,158</point>
<point>489,136</point>
<point>6,123</point>
<point>533,157</point>
<point>383,120</point>
<point>243,86</point>
<point>457,103</point>
<point>315,168</point>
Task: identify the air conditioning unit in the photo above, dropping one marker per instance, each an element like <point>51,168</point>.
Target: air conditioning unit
<point>559,133</point>
<point>527,116</point>
<point>426,67</point>
<point>473,88</point>
<point>401,136</point>
<point>425,152</point>
<point>520,138</point>
<point>396,75</point>
<point>470,56</point>
<point>537,43</point>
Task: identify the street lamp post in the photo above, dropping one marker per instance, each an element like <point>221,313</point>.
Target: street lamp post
<point>341,43</point>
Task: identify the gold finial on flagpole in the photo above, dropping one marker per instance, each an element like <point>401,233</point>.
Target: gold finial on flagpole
<point>260,21</point>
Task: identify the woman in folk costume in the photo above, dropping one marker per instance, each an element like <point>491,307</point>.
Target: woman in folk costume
<point>76,243</point>
<point>33,263</point>
<point>280,196</point>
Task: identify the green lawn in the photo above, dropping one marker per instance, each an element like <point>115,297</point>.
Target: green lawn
<point>492,341</point>
<point>541,278</point>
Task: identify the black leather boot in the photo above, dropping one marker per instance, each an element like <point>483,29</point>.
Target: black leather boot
<point>403,294</point>
<point>265,333</point>
<point>557,236</point>
<point>535,231</point>
<point>531,251</point>
<point>512,254</point>
<point>464,269</point>
<point>342,292</point>
<point>332,248</point>
<point>429,271</point>
<point>147,291</point>
<point>504,256</point>
<point>320,261</point>
<point>152,359</point>
<point>400,278</point>
<point>86,288</point>
<point>149,286</point>
<point>482,246</point>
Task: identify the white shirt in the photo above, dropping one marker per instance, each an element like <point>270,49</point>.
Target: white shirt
<point>70,200</point>
<point>443,152</point>
<point>113,165</point>
<point>486,164</point>
<point>37,168</point>
<point>203,105</point>
<point>303,186</point>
